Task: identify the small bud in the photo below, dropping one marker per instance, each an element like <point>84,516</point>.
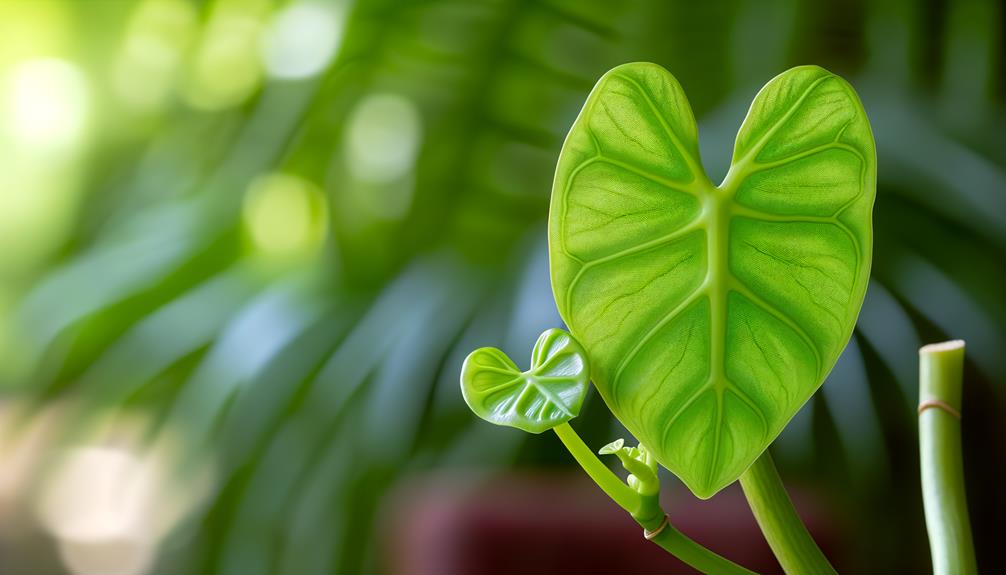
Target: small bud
<point>613,447</point>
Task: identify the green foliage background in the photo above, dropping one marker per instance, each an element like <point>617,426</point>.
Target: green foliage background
<point>318,379</point>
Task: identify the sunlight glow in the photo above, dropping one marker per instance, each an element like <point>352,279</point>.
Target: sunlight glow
<point>226,69</point>
<point>47,103</point>
<point>144,71</point>
<point>383,138</point>
<point>111,502</point>
<point>285,215</point>
<point>381,146</point>
<point>100,493</point>
<point>302,39</point>
<point>117,557</point>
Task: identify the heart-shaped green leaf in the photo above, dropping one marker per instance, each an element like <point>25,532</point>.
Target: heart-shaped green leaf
<point>549,393</point>
<point>712,313</point>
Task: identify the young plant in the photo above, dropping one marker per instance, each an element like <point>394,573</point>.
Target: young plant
<point>712,312</point>
<point>547,396</point>
<point>709,313</point>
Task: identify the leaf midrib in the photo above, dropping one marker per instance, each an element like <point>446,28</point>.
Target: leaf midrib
<point>718,210</point>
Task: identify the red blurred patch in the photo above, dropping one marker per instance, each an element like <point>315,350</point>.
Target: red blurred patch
<point>556,524</point>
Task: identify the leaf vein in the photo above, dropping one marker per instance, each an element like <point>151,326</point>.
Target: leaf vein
<point>746,292</point>
<point>763,141</point>
<point>678,412</point>
<point>669,238</point>
<point>680,308</point>
<point>690,162</point>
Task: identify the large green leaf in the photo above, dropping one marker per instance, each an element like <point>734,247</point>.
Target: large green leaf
<point>710,314</point>
<point>549,393</point>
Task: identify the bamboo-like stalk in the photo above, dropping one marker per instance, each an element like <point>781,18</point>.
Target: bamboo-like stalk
<point>941,367</point>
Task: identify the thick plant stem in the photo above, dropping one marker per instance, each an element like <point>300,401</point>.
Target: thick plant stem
<point>646,511</point>
<point>940,374</point>
<point>785,532</point>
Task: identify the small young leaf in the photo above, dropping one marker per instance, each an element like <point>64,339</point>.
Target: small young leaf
<point>712,313</point>
<point>549,393</point>
<point>613,447</point>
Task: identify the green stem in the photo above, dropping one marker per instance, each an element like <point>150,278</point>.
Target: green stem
<point>646,511</point>
<point>698,557</point>
<point>940,377</point>
<point>621,493</point>
<point>785,532</point>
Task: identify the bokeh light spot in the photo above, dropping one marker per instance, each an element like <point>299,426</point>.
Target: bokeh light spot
<point>47,103</point>
<point>285,215</point>
<point>144,70</point>
<point>100,493</point>
<point>382,143</point>
<point>383,138</point>
<point>226,69</point>
<point>302,39</point>
<point>116,557</point>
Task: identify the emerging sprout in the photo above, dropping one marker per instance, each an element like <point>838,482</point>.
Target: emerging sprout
<point>613,447</point>
<point>640,464</point>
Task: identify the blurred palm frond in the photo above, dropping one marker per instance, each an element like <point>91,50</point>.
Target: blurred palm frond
<point>315,383</point>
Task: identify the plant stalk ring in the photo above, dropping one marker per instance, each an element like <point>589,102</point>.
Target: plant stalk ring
<point>650,535</point>
<point>939,404</point>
